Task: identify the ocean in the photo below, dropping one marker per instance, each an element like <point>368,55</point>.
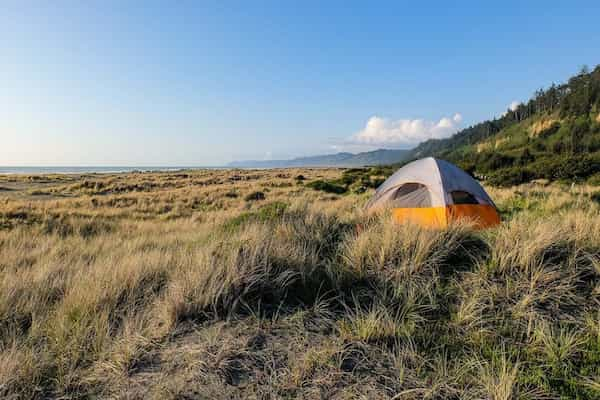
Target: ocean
<point>89,170</point>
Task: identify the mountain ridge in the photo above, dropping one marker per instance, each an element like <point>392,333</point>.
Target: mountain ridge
<point>341,159</point>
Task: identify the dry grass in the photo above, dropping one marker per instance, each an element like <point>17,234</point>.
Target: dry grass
<point>189,285</point>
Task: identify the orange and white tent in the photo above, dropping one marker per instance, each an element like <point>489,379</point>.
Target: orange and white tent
<point>432,192</point>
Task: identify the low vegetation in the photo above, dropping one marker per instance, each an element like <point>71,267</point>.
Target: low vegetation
<point>183,285</point>
<point>355,180</point>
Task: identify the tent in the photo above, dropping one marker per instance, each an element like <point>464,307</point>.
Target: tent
<point>432,193</point>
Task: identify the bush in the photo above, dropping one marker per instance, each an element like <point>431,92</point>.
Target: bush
<point>578,167</point>
<point>594,180</point>
<point>364,178</point>
<point>271,211</point>
<point>494,161</point>
<point>268,212</point>
<point>327,187</point>
<point>510,176</point>
<point>352,175</point>
<point>553,168</point>
<point>255,196</point>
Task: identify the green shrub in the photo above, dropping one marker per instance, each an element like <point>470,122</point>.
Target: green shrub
<point>494,161</point>
<point>594,180</point>
<point>510,176</point>
<point>254,196</point>
<point>574,168</point>
<point>268,212</point>
<point>352,175</point>
<point>561,168</point>
<point>327,187</point>
<point>271,211</point>
<point>365,177</point>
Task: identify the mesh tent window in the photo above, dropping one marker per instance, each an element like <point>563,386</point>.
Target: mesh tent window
<point>462,197</point>
<point>411,195</point>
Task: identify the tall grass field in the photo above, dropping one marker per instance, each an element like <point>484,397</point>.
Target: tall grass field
<point>261,284</point>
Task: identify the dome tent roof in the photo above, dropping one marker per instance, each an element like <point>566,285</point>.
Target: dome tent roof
<point>440,177</point>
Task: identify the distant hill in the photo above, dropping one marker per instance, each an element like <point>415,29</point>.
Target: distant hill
<point>377,157</point>
<point>555,136</point>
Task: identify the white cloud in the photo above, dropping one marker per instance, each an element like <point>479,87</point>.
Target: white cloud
<point>513,105</point>
<point>405,132</point>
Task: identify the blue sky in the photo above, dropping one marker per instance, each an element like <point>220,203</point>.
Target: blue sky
<point>199,83</point>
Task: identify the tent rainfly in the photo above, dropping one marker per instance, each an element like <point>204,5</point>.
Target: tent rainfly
<point>432,193</point>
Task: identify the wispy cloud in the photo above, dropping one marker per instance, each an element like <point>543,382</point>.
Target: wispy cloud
<point>404,132</point>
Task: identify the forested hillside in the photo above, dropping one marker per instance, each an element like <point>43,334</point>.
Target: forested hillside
<point>555,136</point>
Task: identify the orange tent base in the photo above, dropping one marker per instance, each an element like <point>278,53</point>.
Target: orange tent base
<point>430,217</point>
<point>482,215</point>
